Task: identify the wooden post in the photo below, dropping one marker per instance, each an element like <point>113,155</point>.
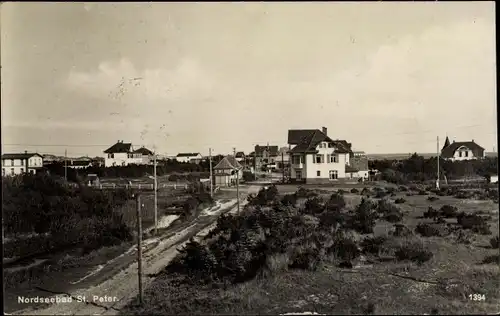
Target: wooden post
<point>155,188</point>
<point>211,176</point>
<point>283,165</point>
<point>237,183</point>
<point>139,247</point>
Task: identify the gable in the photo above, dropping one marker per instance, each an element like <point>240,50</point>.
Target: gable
<point>119,148</point>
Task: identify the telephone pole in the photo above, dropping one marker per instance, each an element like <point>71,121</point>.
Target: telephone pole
<point>438,158</point>
<point>156,192</point>
<point>66,165</point>
<point>211,176</point>
<point>283,165</point>
<point>237,182</point>
<point>139,247</point>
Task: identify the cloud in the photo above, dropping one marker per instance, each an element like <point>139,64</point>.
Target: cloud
<point>122,81</point>
<point>425,74</point>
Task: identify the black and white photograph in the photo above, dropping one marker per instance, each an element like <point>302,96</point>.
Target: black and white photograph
<point>249,158</point>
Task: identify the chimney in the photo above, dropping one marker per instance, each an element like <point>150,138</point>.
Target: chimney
<point>324,130</point>
<point>25,151</point>
<point>453,140</point>
<point>472,140</point>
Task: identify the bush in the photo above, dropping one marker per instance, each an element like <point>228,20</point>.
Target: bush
<point>413,251</point>
<point>494,242</point>
<point>399,201</point>
<point>474,222</point>
<point>389,211</point>
<point>372,245</point>
<point>314,206</point>
<point>401,230</point>
<point>432,198</point>
<point>305,193</point>
<point>264,197</point>
<point>336,203</point>
<point>289,200</point>
<point>448,211</point>
<point>364,217</point>
<point>46,205</point>
<point>248,176</point>
<point>429,230</point>
<point>354,191</point>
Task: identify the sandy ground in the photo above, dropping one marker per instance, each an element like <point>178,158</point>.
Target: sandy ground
<point>108,297</point>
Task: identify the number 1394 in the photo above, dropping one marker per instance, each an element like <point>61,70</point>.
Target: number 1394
<point>477,297</point>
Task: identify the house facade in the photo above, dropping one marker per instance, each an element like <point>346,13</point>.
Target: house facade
<point>457,151</point>
<point>189,157</point>
<point>317,158</point>
<point>265,157</point>
<point>122,154</point>
<point>227,171</point>
<point>14,164</point>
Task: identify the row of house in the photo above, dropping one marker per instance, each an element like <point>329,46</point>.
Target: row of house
<point>311,156</point>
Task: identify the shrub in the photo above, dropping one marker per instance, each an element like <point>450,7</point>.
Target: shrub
<point>494,242</point>
<point>448,211</point>
<point>336,203</point>
<point>413,251</point>
<point>399,201</point>
<point>248,176</point>
<point>354,191</point>
<point>289,199</point>
<point>314,206</point>
<point>476,223</point>
<point>264,197</point>
<point>401,230</point>
<point>372,245</point>
<point>402,188</point>
<point>429,230</point>
<point>305,193</point>
<point>364,217</point>
<point>432,198</point>
<point>344,248</point>
<point>492,259</point>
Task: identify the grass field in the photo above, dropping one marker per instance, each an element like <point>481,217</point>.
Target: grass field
<point>445,284</point>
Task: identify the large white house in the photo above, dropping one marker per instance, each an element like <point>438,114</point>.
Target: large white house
<point>189,157</point>
<point>122,154</point>
<point>14,164</point>
<point>316,158</point>
<point>461,150</point>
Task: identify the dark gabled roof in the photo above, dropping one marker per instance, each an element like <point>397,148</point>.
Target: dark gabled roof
<point>307,140</point>
<point>446,143</point>
<point>240,154</point>
<point>449,151</point>
<point>20,156</point>
<point>119,147</point>
<point>228,162</point>
<point>273,150</point>
<point>187,154</point>
<point>143,151</point>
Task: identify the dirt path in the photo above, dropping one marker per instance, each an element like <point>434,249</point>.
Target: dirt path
<point>114,293</point>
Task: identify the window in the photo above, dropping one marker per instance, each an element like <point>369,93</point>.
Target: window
<point>32,171</point>
<point>318,173</point>
<point>460,154</point>
<point>22,170</point>
<point>12,172</point>
<point>319,158</point>
<point>297,160</point>
<point>12,162</point>
<point>3,162</point>
<point>3,172</point>
<point>330,145</point>
<point>298,174</point>
<point>466,154</point>
<point>334,158</point>
<point>334,175</point>
<point>111,155</point>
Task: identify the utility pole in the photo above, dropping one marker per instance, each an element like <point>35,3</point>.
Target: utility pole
<point>211,176</point>
<point>139,247</point>
<point>156,192</point>
<point>66,165</point>
<point>438,158</point>
<point>237,183</point>
<point>283,165</point>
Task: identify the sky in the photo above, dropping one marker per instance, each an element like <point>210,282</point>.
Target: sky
<point>186,77</point>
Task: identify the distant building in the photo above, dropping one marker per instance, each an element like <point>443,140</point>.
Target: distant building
<point>122,154</point>
<point>227,171</point>
<point>265,156</point>
<point>461,150</point>
<point>18,163</point>
<point>189,157</point>
<point>240,156</point>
